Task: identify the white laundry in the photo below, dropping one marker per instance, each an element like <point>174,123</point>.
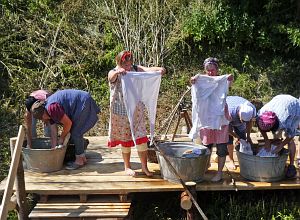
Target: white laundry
<point>141,87</point>
<point>245,147</point>
<point>264,153</point>
<point>209,98</point>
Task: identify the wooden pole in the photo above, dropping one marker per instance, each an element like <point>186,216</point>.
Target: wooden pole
<point>12,174</point>
<point>188,121</point>
<point>177,124</point>
<point>173,113</point>
<point>22,207</point>
<point>192,213</point>
<point>185,201</point>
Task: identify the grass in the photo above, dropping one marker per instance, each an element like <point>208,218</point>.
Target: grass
<point>262,205</point>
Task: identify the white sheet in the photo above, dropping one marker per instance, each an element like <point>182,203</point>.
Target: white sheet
<point>144,87</point>
<point>209,98</point>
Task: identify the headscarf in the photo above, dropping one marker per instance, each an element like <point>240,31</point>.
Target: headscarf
<point>246,112</point>
<point>211,61</point>
<point>126,56</point>
<point>267,121</point>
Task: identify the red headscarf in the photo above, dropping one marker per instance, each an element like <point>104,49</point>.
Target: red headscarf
<point>126,54</point>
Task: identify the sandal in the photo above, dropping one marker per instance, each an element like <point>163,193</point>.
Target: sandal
<point>291,171</point>
<point>73,166</point>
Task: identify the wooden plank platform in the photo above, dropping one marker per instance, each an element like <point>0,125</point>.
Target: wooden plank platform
<point>104,175</point>
<point>80,211</point>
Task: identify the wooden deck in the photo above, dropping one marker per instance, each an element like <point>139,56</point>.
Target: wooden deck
<point>104,175</point>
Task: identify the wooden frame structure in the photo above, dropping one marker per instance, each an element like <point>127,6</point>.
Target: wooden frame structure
<point>103,177</point>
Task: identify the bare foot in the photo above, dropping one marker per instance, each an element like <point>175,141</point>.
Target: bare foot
<point>129,172</point>
<point>217,177</point>
<point>231,165</point>
<point>147,172</point>
<point>84,160</point>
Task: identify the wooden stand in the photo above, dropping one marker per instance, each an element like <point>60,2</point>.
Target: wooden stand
<point>178,109</point>
<point>183,114</point>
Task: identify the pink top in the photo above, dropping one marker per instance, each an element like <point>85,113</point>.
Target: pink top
<point>56,112</point>
<point>214,136</point>
<point>40,94</point>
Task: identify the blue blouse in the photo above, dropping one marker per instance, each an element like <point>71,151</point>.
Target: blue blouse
<point>234,103</point>
<point>287,109</point>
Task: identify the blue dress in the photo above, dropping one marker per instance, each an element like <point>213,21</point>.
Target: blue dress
<point>79,107</point>
<point>287,109</point>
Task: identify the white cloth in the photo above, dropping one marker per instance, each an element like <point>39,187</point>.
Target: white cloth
<point>209,99</point>
<point>264,153</point>
<point>247,112</point>
<point>141,87</point>
<point>245,147</point>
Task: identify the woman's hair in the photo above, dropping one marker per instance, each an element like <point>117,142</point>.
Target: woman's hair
<point>211,61</point>
<point>29,102</point>
<point>37,109</point>
<point>123,57</point>
<point>275,126</point>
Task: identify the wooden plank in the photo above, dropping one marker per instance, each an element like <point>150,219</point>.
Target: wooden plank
<point>76,205</point>
<point>91,198</point>
<point>125,184</point>
<point>72,210</point>
<point>22,208</point>
<point>12,173</point>
<point>91,178</point>
<point>107,176</point>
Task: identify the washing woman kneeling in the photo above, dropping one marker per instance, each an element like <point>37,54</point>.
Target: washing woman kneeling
<point>241,112</point>
<point>281,113</point>
<point>76,111</point>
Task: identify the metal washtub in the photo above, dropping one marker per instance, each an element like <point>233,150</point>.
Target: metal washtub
<point>262,169</point>
<point>189,169</point>
<point>41,158</point>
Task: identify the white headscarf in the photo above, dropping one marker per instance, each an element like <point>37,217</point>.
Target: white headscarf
<point>246,112</point>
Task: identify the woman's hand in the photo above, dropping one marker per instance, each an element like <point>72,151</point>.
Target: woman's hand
<point>121,71</point>
<point>230,78</point>
<point>193,79</point>
<point>163,71</point>
<point>113,74</point>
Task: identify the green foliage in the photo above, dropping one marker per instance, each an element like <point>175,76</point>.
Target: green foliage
<point>294,35</point>
<point>217,23</point>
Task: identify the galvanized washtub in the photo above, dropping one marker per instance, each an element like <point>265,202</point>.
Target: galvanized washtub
<point>41,158</point>
<point>189,169</point>
<point>262,169</point>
